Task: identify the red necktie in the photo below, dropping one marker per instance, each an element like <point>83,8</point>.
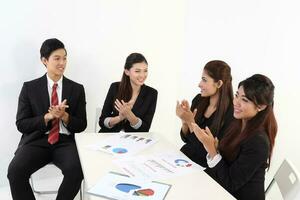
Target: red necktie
<point>54,132</point>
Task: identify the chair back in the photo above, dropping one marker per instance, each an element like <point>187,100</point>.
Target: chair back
<point>98,114</point>
<point>287,179</point>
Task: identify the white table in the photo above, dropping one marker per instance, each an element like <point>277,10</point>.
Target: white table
<point>95,164</point>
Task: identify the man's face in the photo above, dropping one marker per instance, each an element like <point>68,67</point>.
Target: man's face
<point>56,63</point>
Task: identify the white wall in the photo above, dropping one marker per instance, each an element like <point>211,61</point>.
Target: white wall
<point>253,37</point>
<point>177,38</point>
<point>98,35</point>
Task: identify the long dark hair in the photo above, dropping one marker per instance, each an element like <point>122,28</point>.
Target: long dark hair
<point>125,89</point>
<point>260,90</point>
<point>218,70</point>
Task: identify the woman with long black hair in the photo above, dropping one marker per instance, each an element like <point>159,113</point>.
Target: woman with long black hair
<point>239,162</point>
<point>212,108</point>
<point>129,104</point>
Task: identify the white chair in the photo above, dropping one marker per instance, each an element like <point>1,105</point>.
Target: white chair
<point>48,167</point>
<point>52,191</point>
<point>287,179</point>
<point>98,114</point>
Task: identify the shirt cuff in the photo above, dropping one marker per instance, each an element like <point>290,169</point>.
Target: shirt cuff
<point>138,124</point>
<point>106,122</point>
<point>212,162</point>
<point>63,123</point>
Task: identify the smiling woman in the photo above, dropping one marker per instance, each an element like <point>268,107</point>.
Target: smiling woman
<point>129,104</point>
<point>245,151</point>
<point>212,108</point>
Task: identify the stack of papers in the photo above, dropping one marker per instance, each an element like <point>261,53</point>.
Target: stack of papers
<point>123,144</point>
<point>121,187</point>
<point>159,166</point>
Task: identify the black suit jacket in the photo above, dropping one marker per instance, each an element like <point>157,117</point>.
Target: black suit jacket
<point>244,176</point>
<point>193,148</point>
<point>34,104</point>
<point>144,108</point>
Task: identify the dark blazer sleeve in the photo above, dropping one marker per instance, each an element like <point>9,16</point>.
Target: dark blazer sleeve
<point>108,106</point>
<point>193,148</point>
<point>150,100</point>
<point>77,110</point>
<point>144,108</point>
<point>187,138</point>
<point>29,117</point>
<point>252,157</point>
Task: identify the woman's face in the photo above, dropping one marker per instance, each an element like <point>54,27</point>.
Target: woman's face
<point>137,73</point>
<point>243,107</point>
<point>207,85</point>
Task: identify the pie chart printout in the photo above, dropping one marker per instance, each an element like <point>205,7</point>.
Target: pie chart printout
<point>182,163</point>
<point>120,150</point>
<point>127,187</point>
<point>144,192</point>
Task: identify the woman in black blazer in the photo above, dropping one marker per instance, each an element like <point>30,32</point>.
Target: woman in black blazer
<point>244,153</point>
<point>212,108</point>
<point>129,104</point>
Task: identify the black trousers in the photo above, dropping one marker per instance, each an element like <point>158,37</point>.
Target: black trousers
<point>33,156</point>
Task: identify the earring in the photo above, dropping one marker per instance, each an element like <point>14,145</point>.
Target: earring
<point>258,109</point>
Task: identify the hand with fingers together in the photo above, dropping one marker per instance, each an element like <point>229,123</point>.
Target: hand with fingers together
<point>184,113</point>
<point>123,108</point>
<point>59,111</point>
<point>207,139</point>
<point>182,107</point>
<point>184,104</point>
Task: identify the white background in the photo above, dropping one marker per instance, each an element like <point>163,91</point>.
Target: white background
<point>177,37</point>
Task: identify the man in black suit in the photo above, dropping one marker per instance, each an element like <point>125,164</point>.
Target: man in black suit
<point>51,110</point>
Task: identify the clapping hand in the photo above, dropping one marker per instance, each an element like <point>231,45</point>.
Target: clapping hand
<point>58,111</point>
<point>184,113</point>
<point>205,136</point>
<point>123,108</point>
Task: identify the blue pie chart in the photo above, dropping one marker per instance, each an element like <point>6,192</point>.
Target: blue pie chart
<point>119,150</point>
<point>182,163</point>
<point>126,187</point>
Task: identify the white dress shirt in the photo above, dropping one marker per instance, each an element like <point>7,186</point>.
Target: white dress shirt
<point>212,162</point>
<point>62,127</point>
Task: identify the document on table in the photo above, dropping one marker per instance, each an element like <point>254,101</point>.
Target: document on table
<point>157,167</point>
<point>123,144</point>
<point>122,187</point>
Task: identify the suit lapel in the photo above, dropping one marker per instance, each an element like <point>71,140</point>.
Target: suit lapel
<point>66,90</point>
<point>44,93</point>
<point>139,99</point>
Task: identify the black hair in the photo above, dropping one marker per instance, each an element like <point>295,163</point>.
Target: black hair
<point>218,70</point>
<point>260,90</point>
<point>125,89</point>
<point>49,46</point>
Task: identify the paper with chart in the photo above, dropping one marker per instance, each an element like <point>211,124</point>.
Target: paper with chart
<point>157,167</point>
<point>117,186</point>
<point>123,144</point>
